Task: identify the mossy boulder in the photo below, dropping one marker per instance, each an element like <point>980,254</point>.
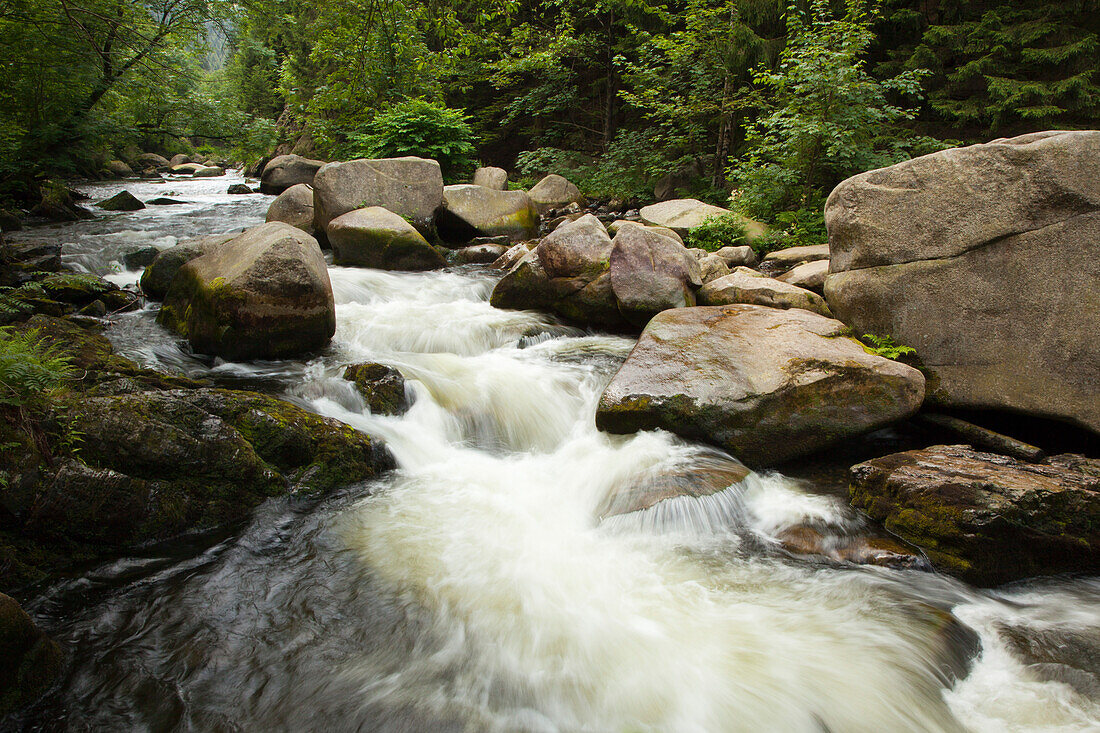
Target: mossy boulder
<point>986,518</point>
<point>31,660</point>
<point>382,387</point>
<point>767,385</point>
<point>470,210</point>
<point>159,274</point>
<point>264,294</point>
<point>376,237</point>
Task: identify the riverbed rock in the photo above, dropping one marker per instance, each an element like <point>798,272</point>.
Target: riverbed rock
<point>59,203</point>
<point>512,255</point>
<point>618,224</point>
<point>680,215</point>
<point>765,384</point>
<point>809,275</point>
<point>210,171</point>
<point>264,294</point>
<point>153,160</point>
<point>491,177</point>
<point>382,387</point>
<point>187,168</point>
<point>782,260</point>
<point>409,187</point>
<point>554,192</point>
<point>470,210</point>
<point>480,254</point>
<point>749,286</point>
<point>239,189</point>
<point>119,168</point>
<point>650,273</point>
<point>987,518</point>
<point>711,267</point>
<point>742,256</point>
<point>294,206</point>
<point>284,171</point>
<point>179,159</point>
<point>137,257</point>
<point>121,201</point>
<point>159,274</point>
<point>376,237</point>
<point>32,661</point>
<point>164,201</point>
<point>985,260</point>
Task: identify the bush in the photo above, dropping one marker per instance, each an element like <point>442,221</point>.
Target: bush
<point>717,232</point>
<point>420,128</point>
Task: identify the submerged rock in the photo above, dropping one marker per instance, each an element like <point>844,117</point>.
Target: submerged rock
<point>409,187</point>
<point>121,201</point>
<point>294,206</point>
<point>381,386</point>
<point>984,260</point>
<point>264,294</point>
<point>32,661</point>
<point>284,171</point>
<point>164,201</point>
<point>470,211</point>
<point>239,189</point>
<point>767,385</point>
<point>987,518</point>
<point>376,237</point>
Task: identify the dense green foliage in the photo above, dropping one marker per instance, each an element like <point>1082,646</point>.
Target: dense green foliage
<point>774,100</point>
<point>717,232</point>
<point>29,367</point>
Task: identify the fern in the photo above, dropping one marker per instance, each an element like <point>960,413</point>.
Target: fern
<point>29,367</point>
<point>76,281</point>
<point>886,346</point>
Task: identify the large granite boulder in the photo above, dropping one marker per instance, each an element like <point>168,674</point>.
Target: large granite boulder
<point>376,237</point>
<point>985,259</point>
<point>767,385</point>
<point>32,661</point>
<point>470,211</point>
<point>264,294</point>
<point>409,187</point>
<point>984,517</point>
<point>681,215</point>
<point>490,177</point>
<point>159,274</point>
<point>284,171</point>
<point>152,160</point>
<point>294,206</point>
<point>651,273</point>
<point>749,286</point>
<point>554,192</point>
<point>179,159</point>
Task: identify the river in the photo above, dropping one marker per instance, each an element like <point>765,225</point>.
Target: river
<point>484,586</point>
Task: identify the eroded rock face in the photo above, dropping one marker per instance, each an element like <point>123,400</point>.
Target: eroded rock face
<point>159,274</point>
<point>409,187</point>
<point>263,294</point>
<point>749,286</point>
<point>284,171</point>
<point>471,210</point>
<point>376,237</point>
<point>767,385</point>
<point>294,206</point>
<point>984,260</point>
<point>554,192</point>
<point>650,273</point>
<point>32,661</point>
<point>490,177</point>
<point>984,517</point>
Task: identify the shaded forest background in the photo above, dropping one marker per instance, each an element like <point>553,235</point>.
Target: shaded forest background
<point>775,101</point>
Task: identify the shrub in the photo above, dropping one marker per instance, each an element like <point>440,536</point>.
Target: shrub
<point>717,232</point>
<point>424,129</point>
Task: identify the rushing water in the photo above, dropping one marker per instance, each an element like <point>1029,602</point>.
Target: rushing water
<point>488,585</point>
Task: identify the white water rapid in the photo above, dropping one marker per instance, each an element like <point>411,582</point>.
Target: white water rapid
<point>487,585</point>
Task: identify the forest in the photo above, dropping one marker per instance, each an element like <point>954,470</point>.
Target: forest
<point>777,101</point>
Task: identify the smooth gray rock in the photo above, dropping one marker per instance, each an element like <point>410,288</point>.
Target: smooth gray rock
<point>294,206</point>
<point>650,273</point>
<point>376,237</point>
<point>470,210</point>
<point>284,171</point>
<point>749,286</point>
<point>554,192</point>
<point>809,275</point>
<point>409,187</point>
<point>491,177</point>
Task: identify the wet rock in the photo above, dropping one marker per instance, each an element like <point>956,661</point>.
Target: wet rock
<point>158,276</point>
<point>470,211</point>
<point>767,385</point>
<point>294,206</point>
<point>376,237</point>
<point>681,215</point>
<point>649,273</point>
<point>554,192</point>
<point>511,256</point>
<point>164,201</point>
<point>121,201</point>
<point>490,177</point>
<point>410,187</point>
<point>480,254</point>
<point>264,294</point>
<point>58,203</point>
<point>18,260</point>
<point>211,171</point>
<point>239,189</point>
<point>986,518</point>
<point>981,259</point>
<point>32,661</point>
<point>703,476</point>
<point>749,286</point>
<point>880,551</point>
<point>381,386</point>
<point>284,171</point>
<point>808,275</point>
<point>119,168</point>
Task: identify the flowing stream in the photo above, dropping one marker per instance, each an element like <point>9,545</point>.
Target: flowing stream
<point>487,585</point>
